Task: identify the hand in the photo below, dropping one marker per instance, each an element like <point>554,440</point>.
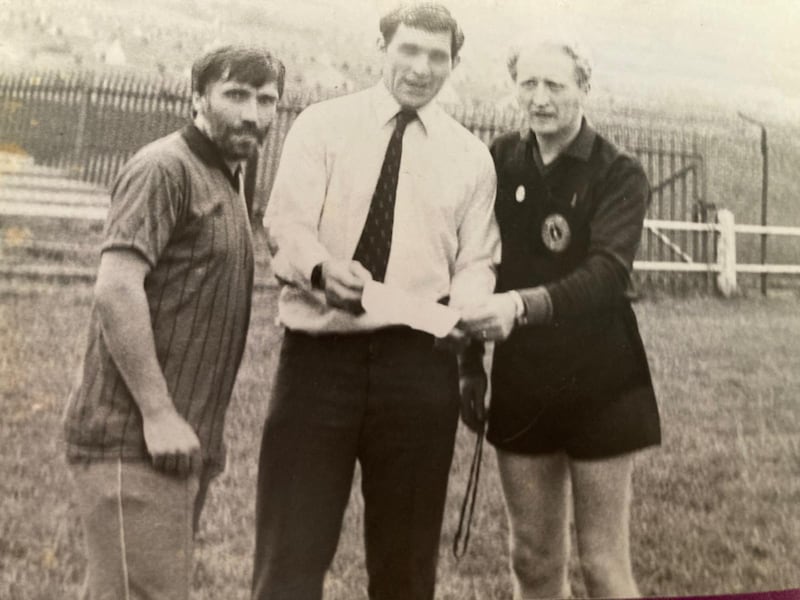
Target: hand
<point>172,443</point>
<point>472,388</point>
<point>343,282</point>
<point>456,341</point>
<point>491,321</point>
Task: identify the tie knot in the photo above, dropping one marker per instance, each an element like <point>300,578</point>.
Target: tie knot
<point>404,117</point>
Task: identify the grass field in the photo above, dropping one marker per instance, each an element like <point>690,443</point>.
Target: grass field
<point>717,507</point>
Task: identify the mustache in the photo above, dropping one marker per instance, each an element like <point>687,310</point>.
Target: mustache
<point>246,128</point>
<point>249,129</point>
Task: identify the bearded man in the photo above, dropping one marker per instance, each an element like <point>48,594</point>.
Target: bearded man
<point>167,331</point>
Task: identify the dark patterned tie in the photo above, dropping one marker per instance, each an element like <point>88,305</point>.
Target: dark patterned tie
<point>373,246</point>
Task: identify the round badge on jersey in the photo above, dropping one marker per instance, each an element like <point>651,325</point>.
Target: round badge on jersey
<point>556,234</point>
<point>520,193</point>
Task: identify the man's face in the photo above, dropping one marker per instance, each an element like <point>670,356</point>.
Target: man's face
<point>548,90</point>
<point>416,65</point>
<point>236,115</point>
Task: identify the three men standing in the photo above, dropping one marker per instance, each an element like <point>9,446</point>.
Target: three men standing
<point>172,303</point>
<point>379,185</point>
<point>382,185</point>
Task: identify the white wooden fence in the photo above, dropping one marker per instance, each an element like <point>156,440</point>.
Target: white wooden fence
<point>726,266</point>
<point>725,230</point>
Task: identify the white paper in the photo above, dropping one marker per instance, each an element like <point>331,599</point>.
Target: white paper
<point>397,306</point>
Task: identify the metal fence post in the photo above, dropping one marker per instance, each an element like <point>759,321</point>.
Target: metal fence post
<point>83,109</point>
<point>726,253</point>
<point>764,192</point>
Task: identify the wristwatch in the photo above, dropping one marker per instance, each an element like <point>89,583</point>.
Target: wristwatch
<point>520,314</point>
<point>316,277</point>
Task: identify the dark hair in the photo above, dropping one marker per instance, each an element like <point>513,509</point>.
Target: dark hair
<point>429,16</point>
<point>246,64</point>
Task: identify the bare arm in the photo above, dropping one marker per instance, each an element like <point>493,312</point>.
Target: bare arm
<point>127,330</point>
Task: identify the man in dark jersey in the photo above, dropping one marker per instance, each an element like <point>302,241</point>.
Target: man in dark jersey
<point>572,397</point>
<point>167,331</point>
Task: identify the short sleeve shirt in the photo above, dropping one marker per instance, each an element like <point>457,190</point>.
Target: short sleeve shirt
<point>178,206</point>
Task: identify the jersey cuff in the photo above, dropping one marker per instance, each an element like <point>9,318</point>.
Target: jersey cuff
<point>538,306</point>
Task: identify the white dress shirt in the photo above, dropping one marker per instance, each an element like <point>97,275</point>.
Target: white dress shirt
<point>445,240</point>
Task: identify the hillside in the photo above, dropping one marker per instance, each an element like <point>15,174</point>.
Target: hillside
<point>685,64</point>
<point>671,59</point>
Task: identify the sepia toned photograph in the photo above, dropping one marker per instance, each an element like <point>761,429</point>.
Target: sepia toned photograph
<point>348,299</point>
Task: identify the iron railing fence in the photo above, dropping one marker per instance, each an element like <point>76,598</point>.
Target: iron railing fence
<point>88,124</point>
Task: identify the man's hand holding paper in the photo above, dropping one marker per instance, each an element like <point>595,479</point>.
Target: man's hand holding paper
<point>343,282</point>
<point>395,305</point>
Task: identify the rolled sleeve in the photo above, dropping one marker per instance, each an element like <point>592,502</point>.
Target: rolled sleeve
<point>295,205</point>
<point>478,240</point>
<point>145,204</point>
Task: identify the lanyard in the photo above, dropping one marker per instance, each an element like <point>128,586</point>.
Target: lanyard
<point>461,540</point>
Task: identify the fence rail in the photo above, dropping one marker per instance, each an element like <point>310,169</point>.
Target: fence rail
<point>87,125</point>
<point>726,267</point>
<point>91,123</point>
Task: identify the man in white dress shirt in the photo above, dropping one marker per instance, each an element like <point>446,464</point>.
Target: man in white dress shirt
<point>382,185</point>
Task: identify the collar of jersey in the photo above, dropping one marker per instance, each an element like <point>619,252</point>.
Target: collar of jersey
<point>580,148</point>
<point>207,151</point>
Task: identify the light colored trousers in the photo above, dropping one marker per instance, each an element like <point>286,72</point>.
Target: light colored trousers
<point>138,530</point>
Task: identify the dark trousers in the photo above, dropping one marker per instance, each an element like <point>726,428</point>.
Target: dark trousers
<point>388,399</point>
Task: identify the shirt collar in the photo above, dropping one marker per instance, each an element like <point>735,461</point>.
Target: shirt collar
<point>386,107</point>
<point>207,151</point>
<point>580,147</point>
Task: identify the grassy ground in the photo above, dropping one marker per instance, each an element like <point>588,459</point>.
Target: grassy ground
<point>716,507</point>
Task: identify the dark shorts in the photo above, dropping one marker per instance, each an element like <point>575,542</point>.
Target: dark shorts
<point>585,391</point>
<point>583,428</point>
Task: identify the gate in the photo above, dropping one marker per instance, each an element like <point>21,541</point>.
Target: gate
<point>677,172</point>
<point>87,125</point>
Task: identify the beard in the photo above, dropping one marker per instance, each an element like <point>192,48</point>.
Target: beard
<point>237,143</point>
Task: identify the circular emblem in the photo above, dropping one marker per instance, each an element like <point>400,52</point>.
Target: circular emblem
<point>520,194</point>
<point>555,233</point>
